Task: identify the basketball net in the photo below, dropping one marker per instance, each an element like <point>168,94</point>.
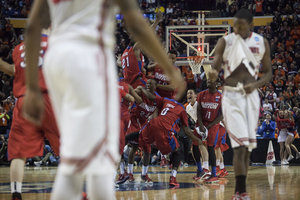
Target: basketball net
<point>196,62</point>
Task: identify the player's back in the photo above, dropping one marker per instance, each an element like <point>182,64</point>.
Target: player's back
<point>170,114</point>
<point>19,87</point>
<point>132,67</point>
<point>210,104</point>
<point>86,20</point>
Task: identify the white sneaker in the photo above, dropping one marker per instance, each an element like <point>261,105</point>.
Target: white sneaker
<point>290,158</point>
<point>284,162</point>
<point>37,163</point>
<point>185,165</point>
<point>298,155</point>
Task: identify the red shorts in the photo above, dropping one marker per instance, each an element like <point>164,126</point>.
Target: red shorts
<point>211,137</point>
<point>139,82</point>
<point>222,139</point>
<point>123,128</point>
<point>165,140</point>
<point>26,140</point>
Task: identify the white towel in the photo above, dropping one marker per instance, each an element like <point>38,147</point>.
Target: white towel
<point>240,53</point>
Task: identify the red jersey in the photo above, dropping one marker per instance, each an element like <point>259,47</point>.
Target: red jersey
<point>211,106</point>
<point>132,68</point>
<point>271,96</point>
<point>163,80</point>
<point>19,87</point>
<point>171,113</point>
<point>143,110</point>
<point>124,103</point>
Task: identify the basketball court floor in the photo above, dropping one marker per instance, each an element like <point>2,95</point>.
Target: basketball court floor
<point>264,183</point>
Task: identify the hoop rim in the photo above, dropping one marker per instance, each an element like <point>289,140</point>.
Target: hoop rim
<point>196,59</point>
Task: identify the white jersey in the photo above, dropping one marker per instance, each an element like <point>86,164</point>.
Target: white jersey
<point>87,20</point>
<point>255,43</point>
<point>192,110</point>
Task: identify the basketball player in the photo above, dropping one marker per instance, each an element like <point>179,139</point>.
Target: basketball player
<point>162,128</point>
<point>220,147</point>
<point>139,115</point>
<point>164,88</point>
<point>241,104</point>
<point>133,60</point>
<point>26,140</point>
<point>209,115</point>
<point>80,74</point>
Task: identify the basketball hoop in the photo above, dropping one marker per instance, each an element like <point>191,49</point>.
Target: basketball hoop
<point>195,63</point>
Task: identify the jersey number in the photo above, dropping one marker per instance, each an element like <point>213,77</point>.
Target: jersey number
<point>124,62</point>
<point>164,111</point>
<point>143,114</point>
<point>207,116</point>
<point>41,60</point>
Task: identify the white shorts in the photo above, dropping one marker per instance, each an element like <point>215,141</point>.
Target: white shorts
<point>241,114</point>
<point>282,135</point>
<point>82,84</point>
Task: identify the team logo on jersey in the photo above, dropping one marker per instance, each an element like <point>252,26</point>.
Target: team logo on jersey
<point>256,39</point>
<point>217,100</point>
<point>209,105</point>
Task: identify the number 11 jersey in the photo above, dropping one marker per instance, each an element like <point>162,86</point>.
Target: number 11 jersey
<point>211,106</point>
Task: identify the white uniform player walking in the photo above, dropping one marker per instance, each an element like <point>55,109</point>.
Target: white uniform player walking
<point>241,52</point>
<point>80,73</point>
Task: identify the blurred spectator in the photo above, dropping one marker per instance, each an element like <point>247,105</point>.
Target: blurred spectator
<point>221,7</point>
<point>49,158</point>
<point>159,8</point>
<point>259,5</point>
<point>3,121</point>
<point>169,9</point>
<point>3,150</point>
<point>268,127</point>
<point>289,43</point>
<point>268,109</point>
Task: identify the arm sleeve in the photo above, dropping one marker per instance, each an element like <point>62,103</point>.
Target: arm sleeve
<point>273,125</point>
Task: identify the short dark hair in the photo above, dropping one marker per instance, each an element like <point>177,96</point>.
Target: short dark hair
<point>172,51</point>
<point>244,14</point>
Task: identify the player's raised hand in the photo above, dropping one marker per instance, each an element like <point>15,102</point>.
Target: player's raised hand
<point>249,88</point>
<point>33,106</point>
<point>159,16</point>
<point>213,75</point>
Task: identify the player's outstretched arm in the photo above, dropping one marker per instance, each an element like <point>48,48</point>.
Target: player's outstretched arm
<point>188,132</point>
<point>217,61</point>
<point>166,87</point>
<point>33,105</point>
<point>216,121</point>
<point>148,41</point>
<point>7,68</point>
<point>136,96</point>
<point>148,95</point>
<point>129,98</point>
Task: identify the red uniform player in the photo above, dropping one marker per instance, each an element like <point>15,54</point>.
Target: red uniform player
<point>220,147</point>
<point>26,140</point>
<point>162,128</point>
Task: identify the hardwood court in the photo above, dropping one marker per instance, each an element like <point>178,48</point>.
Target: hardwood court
<point>264,183</point>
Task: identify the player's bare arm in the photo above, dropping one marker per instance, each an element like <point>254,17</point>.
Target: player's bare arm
<point>166,87</point>
<point>129,98</point>
<point>151,66</point>
<point>217,61</point>
<point>148,94</point>
<point>216,121</point>
<point>148,41</point>
<point>199,117</point>
<point>188,132</point>
<point>7,68</point>
<point>267,69</point>
<point>39,18</point>
<point>136,96</point>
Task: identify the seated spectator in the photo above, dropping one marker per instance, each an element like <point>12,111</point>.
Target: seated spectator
<point>159,8</point>
<point>276,59</point>
<point>268,127</point>
<point>289,93</point>
<point>193,22</point>
<point>289,43</point>
<point>268,12</point>
<point>221,8</point>
<point>268,109</point>
<point>48,158</point>
<point>169,10</point>
<point>285,30</point>
<point>278,88</point>
<point>295,33</point>
<point>3,151</point>
<point>297,79</point>
<point>290,82</point>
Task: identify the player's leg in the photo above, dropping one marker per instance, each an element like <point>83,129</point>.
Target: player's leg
<point>131,157</point>
<point>296,151</point>
<point>146,159</point>
<point>196,155</point>
<point>100,187</point>
<point>16,177</point>
<point>218,159</point>
<point>288,143</point>
<point>68,186</point>
<point>175,160</point>
<point>281,144</point>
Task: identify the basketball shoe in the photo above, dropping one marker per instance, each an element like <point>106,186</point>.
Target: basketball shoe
<point>199,176</point>
<point>146,179</point>
<point>223,173</point>
<point>206,174</point>
<point>131,179</point>
<point>163,163</point>
<point>16,196</point>
<point>173,181</point>
<point>298,155</point>
<point>218,170</point>
<point>236,196</point>
<point>122,178</point>
<point>244,196</point>
<point>211,179</point>
<point>84,196</point>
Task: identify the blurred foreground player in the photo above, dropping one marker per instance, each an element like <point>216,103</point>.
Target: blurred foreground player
<point>240,102</point>
<point>26,139</point>
<point>87,112</point>
<point>161,130</point>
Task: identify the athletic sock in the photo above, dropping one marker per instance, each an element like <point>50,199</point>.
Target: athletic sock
<point>199,166</point>
<point>16,187</point>
<point>122,168</point>
<point>174,173</point>
<point>221,165</point>
<point>144,170</point>
<point>213,171</point>
<point>240,183</point>
<point>130,168</point>
<point>218,162</point>
<point>205,164</point>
